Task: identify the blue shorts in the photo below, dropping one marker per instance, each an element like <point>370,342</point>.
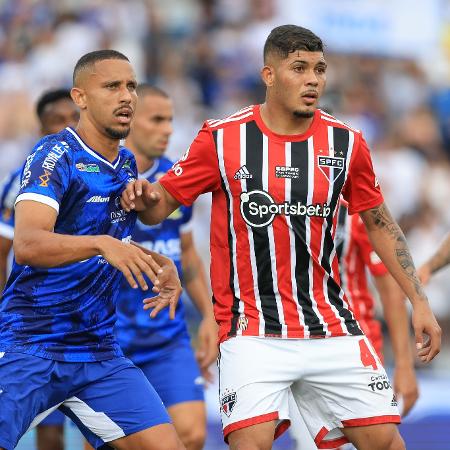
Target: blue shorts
<point>175,375</point>
<point>107,400</point>
<point>55,418</point>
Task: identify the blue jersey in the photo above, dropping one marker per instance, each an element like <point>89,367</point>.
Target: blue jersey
<point>9,189</point>
<point>143,339</point>
<point>67,313</point>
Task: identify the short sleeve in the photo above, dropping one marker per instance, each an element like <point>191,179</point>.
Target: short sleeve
<point>196,172</point>
<point>362,190</point>
<point>46,174</point>
<point>370,257</point>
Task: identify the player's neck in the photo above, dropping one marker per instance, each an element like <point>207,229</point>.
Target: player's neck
<point>104,145</point>
<point>281,121</point>
<point>143,162</point>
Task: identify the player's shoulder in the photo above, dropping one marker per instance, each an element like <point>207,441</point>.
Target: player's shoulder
<point>164,164</point>
<point>58,144</point>
<point>243,115</point>
<point>333,121</point>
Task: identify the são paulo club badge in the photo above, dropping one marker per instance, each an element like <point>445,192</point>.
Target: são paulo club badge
<point>227,402</point>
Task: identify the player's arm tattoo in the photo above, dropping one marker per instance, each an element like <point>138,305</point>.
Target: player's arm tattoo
<point>442,257</point>
<point>382,219</point>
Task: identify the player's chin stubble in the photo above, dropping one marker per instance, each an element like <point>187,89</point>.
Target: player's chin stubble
<point>303,114</point>
<point>117,134</point>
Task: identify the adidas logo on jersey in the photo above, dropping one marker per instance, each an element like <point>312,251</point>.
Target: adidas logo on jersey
<point>98,199</point>
<point>242,173</point>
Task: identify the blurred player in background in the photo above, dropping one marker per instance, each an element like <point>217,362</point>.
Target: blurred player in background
<point>276,172</point>
<point>55,110</point>
<point>161,347</point>
<point>72,242</point>
<point>437,262</point>
<point>356,257</point>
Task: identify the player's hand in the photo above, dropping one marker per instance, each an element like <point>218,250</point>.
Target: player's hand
<point>131,261</point>
<point>207,348</point>
<point>424,274</point>
<point>425,323</point>
<point>405,387</point>
<point>169,290</point>
<point>138,195</point>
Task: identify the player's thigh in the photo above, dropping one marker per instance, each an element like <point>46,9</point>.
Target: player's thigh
<point>175,375</point>
<point>254,379</point>
<point>26,393</point>
<point>375,437</point>
<point>158,437</point>
<point>344,385</point>
<point>50,437</point>
<point>189,420</point>
<point>118,402</point>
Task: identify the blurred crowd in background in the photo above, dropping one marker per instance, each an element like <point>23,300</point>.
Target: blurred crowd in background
<point>388,76</point>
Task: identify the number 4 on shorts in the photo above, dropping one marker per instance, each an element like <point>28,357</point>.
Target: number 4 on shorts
<point>367,357</point>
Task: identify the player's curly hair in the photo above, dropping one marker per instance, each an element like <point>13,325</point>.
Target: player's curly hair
<point>286,39</point>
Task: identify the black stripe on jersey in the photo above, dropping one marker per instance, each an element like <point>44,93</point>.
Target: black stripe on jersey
<point>341,235</point>
<point>235,305</point>
<point>341,141</point>
<point>299,193</point>
<point>254,163</point>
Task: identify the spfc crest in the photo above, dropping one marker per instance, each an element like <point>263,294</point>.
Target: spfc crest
<point>227,402</point>
<point>331,166</point>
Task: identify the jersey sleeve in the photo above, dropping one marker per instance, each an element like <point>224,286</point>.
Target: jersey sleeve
<point>362,190</point>
<point>196,172</point>
<point>46,175</point>
<point>370,257</point>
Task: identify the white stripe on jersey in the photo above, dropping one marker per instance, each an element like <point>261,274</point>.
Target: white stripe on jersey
<point>237,291</point>
<point>324,227</point>
<point>309,201</point>
<point>262,324</point>
<point>231,119</point>
<point>287,151</point>
<point>40,199</point>
<point>213,122</point>
<point>272,250</point>
<point>334,120</point>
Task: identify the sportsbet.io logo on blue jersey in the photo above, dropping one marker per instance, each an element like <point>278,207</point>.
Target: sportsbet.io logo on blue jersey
<point>259,209</point>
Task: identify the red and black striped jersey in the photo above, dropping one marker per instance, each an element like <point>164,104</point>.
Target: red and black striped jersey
<point>356,256</point>
<point>274,267</point>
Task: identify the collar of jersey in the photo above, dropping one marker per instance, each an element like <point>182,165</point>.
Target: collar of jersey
<point>93,152</point>
<point>286,137</point>
<point>150,172</point>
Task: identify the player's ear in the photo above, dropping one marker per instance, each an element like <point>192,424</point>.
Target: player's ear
<point>268,75</point>
<point>79,97</point>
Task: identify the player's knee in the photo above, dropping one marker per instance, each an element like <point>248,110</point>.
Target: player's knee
<point>193,438</point>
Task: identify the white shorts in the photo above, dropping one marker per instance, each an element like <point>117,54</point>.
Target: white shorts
<point>336,382</point>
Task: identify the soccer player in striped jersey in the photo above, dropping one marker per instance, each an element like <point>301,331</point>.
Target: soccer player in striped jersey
<point>72,246</point>
<point>55,110</point>
<point>161,347</point>
<point>285,322</point>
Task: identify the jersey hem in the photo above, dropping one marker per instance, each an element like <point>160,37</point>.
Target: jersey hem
<point>364,207</point>
<point>46,355</point>
<point>171,190</point>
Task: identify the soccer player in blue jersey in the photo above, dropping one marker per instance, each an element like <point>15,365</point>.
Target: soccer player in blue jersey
<point>161,347</point>
<point>55,110</point>
<point>57,347</point>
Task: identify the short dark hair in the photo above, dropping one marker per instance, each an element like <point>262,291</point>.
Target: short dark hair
<point>51,97</point>
<point>286,39</point>
<point>149,89</point>
<point>89,59</point>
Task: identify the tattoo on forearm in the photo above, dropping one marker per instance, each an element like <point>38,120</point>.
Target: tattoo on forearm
<point>382,219</point>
